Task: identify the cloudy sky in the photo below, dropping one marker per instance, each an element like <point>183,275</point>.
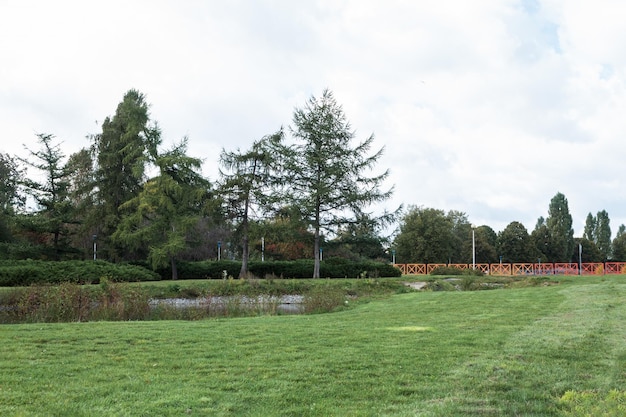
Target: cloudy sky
<point>489,107</point>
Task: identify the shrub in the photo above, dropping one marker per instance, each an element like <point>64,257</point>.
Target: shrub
<point>323,300</point>
<point>24,273</point>
<point>302,268</point>
<point>446,270</point>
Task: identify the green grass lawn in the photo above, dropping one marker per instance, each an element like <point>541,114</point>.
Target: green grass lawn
<point>538,351</point>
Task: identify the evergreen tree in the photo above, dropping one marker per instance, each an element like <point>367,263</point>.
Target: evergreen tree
<point>326,173</point>
<point>590,228</point>
<point>54,210</point>
<point>11,200</point>
<point>247,186</point>
<point>123,149</point>
<point>559,224</point>
<point>166,209</point>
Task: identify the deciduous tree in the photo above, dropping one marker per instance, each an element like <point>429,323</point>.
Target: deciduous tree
<point>602,234</point>
<point>514,244</point>
<point>425,236</point>
<point>619,244</point>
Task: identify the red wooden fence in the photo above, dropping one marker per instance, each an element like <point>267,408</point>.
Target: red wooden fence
<point>591,268</point>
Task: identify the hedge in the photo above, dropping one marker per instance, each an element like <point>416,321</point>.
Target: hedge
<point>331,268</point>
<point>28,272</point>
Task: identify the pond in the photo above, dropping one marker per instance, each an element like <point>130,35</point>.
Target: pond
<point>286,304</point>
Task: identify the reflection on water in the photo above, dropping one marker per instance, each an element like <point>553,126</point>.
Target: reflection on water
<point>290,304</point>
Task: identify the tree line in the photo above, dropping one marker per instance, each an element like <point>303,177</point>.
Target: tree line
<point>300,192</point>
<point>428,235</point>
<point>124,198</point>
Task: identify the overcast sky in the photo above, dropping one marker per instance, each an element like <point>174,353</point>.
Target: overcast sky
<point>489,107</point>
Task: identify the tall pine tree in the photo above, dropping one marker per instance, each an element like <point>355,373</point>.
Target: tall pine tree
<point>326,171</point>
<point>124,147</point>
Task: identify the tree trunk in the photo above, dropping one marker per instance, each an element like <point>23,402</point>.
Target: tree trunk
<point>244,256</point>
<point>316,267</point>
<point>174,269</point>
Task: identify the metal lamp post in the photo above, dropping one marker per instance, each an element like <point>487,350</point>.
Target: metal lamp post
<point>473,249</point>
<point>580,258</point>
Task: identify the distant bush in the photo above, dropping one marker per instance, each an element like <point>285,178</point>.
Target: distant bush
<point>24,273</point>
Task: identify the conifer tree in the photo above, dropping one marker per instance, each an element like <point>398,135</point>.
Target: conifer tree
<point>246,185</point>
<point>122,150</point>
<point>327,172</point>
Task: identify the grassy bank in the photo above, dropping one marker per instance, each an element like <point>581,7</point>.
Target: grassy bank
<point>548,350</point>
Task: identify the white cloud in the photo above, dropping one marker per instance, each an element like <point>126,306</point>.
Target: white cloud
<point>487,107</point>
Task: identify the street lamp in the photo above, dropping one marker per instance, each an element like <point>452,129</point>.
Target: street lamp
<point>473,248</point>
<point>580,258</point>
<point>393,256</point>
<point>219,250</point>
<point>94,247</point>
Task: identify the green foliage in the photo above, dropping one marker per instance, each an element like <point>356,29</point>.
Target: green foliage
<point>560,246</point>
<point>330,268</point>
<point>359,240</point>
<point>602,234</point>
<point>619,246</point>
<point>166,209</point>
<point>515,244</point>
<point>326,173</point>
<point>21,250</point>
<point>10,176</point>
<point>426,236</point>
<point>55,211</point>
<point>250,185</point>
<point>485,245</point>
<point>123,149</point>
<point>24,273</point>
